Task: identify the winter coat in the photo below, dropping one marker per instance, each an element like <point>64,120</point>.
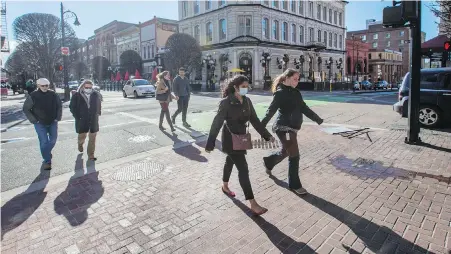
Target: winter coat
<point>86,118</point>
<point>288,101</point>
<point>236,115</point>
<point>161,86</point>
<point>42,107</point>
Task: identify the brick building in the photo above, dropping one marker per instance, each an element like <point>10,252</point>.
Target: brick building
<point>357,53</point>
<point>379,39</point>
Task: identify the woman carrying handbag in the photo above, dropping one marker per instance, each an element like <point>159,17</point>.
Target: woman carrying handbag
<point>235,111</point>
<point>164,96</point>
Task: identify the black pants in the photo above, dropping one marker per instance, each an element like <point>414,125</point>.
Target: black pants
<point>289,149</point>
<point>239,160</point>
<point>182,105</point>
<point>165,112</point>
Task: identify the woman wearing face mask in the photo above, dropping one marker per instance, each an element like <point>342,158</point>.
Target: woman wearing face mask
<point>85,106</point>
<point>164,96</point>
<point>288,101</point>
<point>235,110</point>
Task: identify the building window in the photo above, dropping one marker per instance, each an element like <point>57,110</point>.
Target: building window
<point>196,6</point>
<point>222,29</point>
<point>293,5</point>
<point>265,28</point>
<point>387,35</point>
<point>222,2</point>
<point>335,17</point>
<point>319,35</point>
<point>401,33</point>
<point>325,13</point>
<point>145,52</point>
<point>285,5</point>
<point>293,33</point>
<point>207,4</point>
<point>340,42</point>
<point>209,32</point>
<point>325,38</point>
<point>375,36</point>
<point>266,2</point>
<point>275,30</point>
<point>388,43</point>
<point>152,49</point>
<point>311,34</point>
<point>335,41</point>
<point>318,12</point>
<point>340,19</point>
<point>244,25</point>
<point>401,42</point>
<point>374,44</point>
<point>185,8</point>
<point>310,9</point>
<point>285,31</point>
<point>197,33</point>
<point>275,4</point>
<point>301,34</point>
<point>363,37</point>
<point>301,7</point>
<point>330,15</point>
<point>330,39</point>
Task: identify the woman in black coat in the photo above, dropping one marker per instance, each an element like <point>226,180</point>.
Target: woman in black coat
<point>236,111</point>
<point>85,106</point>
<point>288,101</point>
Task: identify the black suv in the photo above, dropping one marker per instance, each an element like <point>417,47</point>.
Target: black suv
<point>435,97</point>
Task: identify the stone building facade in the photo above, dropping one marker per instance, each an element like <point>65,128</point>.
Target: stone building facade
<point>237,34</point>
<point>385,65</point>
<point>127,39</point>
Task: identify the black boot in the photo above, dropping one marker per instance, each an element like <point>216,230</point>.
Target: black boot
<point>294,182</point>
<point>161,121</point>
<point>168,118</point>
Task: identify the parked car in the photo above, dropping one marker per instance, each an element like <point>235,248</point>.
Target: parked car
<point>435,97</point>
<point>366,85</point>
<point>356,85</point>
<point>381,84</point>
<point>138,88</point>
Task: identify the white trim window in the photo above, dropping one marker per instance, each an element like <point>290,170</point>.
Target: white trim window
<point>285,31</point>
<point>196,6</point>
<point>209,32</point>
<point>293,33</point>
<point>325,38</point>
<point>311,34</point>
<point>222,29</point>
<point>197,33</point>
<point>340,42</point>
<point>265,28</point>
<point>301,34</point>
<point>275,30</point>
<point>244,25</point>
<point>301,7</point>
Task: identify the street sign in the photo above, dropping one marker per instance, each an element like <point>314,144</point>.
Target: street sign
<point>65,51</point>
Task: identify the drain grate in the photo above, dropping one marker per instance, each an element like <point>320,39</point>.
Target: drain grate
<point>138,171</point>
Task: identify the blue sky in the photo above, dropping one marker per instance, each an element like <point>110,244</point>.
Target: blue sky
<point>93,15</point>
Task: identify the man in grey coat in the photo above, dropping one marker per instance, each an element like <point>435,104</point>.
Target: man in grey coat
<point>182,91</point>
<point>43,109</point>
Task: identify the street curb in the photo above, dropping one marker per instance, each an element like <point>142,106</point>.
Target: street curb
<point>377,91</point>
<point>79,172</point>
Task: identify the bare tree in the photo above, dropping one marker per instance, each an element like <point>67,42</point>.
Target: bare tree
<point>442,10</point>
<point>39,36</point>
<point>183,51</point>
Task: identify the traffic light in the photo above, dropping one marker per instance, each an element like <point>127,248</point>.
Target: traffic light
<point>447,46</point>
<point>58,67</point>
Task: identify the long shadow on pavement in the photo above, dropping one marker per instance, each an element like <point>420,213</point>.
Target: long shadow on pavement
<point>379,239</point>
<point>17,210</point>
<point>189,151</point>
<point>281,241</point>
<point>81,192</point>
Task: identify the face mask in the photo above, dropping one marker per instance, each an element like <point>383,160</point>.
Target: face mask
<point>243,91</point>
<point>88,90</point>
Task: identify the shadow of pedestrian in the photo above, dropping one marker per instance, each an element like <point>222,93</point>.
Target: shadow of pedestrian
<point>81,192</point>
<point>281,241</point>
<point>17,210</point>
<point>188,151</point>
<point>379,239</point>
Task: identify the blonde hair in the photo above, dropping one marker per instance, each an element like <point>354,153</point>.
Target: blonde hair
<point>160,76</point>
<point>281,78</point>
<point>82,86</point>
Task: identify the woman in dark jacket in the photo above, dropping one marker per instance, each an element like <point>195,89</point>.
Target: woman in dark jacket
<point>236,110</point>
<point>288,101</point>
<point>85,106</point>
<point>164,96</point>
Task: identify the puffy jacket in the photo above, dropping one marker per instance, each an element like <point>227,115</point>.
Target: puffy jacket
<point>236,115</point>
<point>288,101</point>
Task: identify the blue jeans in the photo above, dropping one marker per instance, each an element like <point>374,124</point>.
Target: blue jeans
<point>47,135</point>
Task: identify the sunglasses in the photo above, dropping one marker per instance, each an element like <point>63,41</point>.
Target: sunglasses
<point>44,85</point>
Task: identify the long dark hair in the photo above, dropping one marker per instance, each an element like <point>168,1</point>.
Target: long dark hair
<point>233,83</point>
<point>281,78</point>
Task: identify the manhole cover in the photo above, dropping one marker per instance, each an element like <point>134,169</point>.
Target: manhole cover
<point>141,138</point>
<point>138,171</point>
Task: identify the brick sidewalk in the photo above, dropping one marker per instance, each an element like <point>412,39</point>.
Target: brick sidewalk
<point>364,197</point>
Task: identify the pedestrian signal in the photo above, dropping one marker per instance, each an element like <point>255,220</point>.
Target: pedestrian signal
<point>447,46</point>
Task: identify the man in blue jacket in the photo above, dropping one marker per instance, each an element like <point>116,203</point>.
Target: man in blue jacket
<point>182,90</point>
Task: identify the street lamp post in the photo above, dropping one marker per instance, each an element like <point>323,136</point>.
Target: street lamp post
<point>210,64</point>
<point>265,60</point>
<point>63,37</point>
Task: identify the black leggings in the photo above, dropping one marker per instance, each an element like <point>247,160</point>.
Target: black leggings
<point>165,112</point>
<point>239,160</point>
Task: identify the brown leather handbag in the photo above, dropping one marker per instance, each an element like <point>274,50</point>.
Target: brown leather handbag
<point>241,142</point>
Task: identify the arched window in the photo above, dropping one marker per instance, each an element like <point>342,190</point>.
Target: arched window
<point>209,32</point>
<point>285,31</point>
<point>275,30</point>
<point>293,33</point>
<point>197,33</point>
<point>222,29</point>
<point>265,28</point>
